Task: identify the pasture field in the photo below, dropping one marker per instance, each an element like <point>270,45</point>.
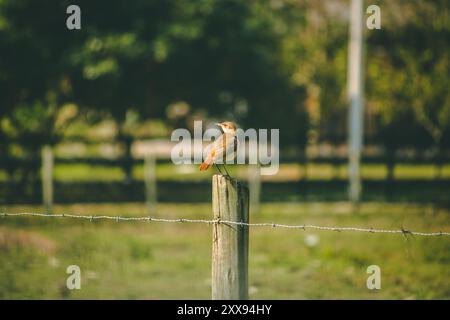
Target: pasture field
<point>142,260</point>
<point>287,172</point>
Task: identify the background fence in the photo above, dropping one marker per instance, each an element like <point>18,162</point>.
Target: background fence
<point>386,186</point>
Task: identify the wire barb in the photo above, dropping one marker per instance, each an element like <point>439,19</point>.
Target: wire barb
<point>237,223</point>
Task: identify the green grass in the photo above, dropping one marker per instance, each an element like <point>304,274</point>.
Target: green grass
<point>287,172</point>
<point>130,260</point>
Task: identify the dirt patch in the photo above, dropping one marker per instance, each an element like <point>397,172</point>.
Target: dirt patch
<point>10,238</point>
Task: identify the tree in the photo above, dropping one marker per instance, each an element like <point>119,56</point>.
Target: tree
<point>408,75</point>
<point>34,45</point>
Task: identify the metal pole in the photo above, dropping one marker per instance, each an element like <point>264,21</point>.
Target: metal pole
<point>47,178</point>
<point>150,182</point>
<point>356,98</point>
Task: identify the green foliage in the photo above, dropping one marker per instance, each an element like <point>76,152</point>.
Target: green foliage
<point>408,73</point>
<point>279,64</point>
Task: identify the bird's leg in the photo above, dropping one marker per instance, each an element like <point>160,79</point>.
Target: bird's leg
<point>225,167</point>
<point>218,168</point>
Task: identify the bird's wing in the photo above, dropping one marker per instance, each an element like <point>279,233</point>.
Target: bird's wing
<point>213,149</point>
<point>230,147</point>
<point>224,145</point>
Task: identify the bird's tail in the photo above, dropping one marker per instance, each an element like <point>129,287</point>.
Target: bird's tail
<point>204,166</point>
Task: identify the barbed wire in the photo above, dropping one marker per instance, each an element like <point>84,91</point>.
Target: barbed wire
<point>237,223</point>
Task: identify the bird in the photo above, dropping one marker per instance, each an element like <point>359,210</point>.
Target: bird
<point>223,148</point>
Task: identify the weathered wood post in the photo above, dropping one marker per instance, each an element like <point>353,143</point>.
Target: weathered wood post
<point>230,242</point>
<point>47,178</point>
<point>150,182</point>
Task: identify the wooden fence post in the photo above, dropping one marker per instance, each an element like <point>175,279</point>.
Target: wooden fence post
<point>230,242</point>
<point>150,182</point>
<point>47,177</point>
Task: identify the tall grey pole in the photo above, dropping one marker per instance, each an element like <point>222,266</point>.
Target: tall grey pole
<point>356,98</point>
<point>47,178</point>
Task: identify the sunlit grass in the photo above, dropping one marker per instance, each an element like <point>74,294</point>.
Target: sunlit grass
<point>131,260</point>
<point>83,172</point>
<point>287,172</point>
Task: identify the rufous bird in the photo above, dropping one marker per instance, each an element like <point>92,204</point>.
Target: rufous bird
<point>223,148</point>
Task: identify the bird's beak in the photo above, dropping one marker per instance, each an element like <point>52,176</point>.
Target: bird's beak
<point>219,124</point>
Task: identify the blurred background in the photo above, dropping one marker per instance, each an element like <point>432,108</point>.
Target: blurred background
<point>85,123</point>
